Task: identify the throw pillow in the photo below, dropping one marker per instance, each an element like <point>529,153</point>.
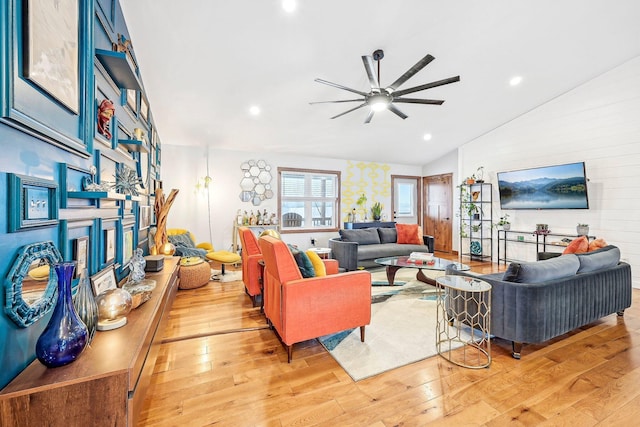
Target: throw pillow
<point>318,266</point>
<point>362,236</point>
<point>542,271</point>
<point>596,244</point>
<point>409,234</point>
<point>606,257</point>
<point>388,235</point>
<point>577,246</point>
<point>304,264</point>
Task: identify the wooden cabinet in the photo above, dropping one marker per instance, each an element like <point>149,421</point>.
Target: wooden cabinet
<point>108,382</point>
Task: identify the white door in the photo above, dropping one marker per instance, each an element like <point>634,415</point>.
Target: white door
<point>406,199</point>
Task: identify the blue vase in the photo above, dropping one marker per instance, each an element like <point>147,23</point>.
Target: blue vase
<point>65,336</point>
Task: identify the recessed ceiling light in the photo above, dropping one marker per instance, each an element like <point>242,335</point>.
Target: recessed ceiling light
<point>254,110</point>
<point>427,137</point>
<point>289,6</point>
<point>515,81</point>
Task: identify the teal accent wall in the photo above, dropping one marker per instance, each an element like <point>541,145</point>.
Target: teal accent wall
<point>41,137</point>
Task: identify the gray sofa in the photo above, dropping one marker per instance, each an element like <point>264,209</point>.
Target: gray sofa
<point>537,301</point>
<point>360,247</point>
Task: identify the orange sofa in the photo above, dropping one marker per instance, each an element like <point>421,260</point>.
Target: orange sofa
<point>251,255</point>
<point>302,309</point>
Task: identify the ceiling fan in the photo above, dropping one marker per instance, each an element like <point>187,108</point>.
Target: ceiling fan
<point>380,98</point>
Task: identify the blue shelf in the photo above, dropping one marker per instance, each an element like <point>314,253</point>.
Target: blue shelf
<point>120,68</point>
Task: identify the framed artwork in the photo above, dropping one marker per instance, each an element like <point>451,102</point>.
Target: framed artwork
<point>52,49</point>
<point>144,109</point>
<point>127,246</point>
<point>33,202</point>
<point>131,100</point>
<point>81,254</point>
<point>144,217</point>
<point>103,281</point>
<point>109,245</point>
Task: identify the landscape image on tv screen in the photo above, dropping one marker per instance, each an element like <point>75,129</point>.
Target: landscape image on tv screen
<point>550,187</point>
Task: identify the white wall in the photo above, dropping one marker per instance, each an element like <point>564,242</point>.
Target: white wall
<point>598,123</point>
<point>183,166</point>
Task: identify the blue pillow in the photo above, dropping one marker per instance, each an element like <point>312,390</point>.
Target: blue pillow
<point>304,263</point>
<point>602,258</point>
<point>542,271</point>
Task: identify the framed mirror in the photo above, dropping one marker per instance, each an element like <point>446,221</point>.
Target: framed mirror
<point>31,283</point>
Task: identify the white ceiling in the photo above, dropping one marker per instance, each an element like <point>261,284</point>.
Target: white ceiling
<point>204,63</point>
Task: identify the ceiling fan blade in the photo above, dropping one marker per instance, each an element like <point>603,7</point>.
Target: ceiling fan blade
<point>338,101</point>
<point>348,111</point>
<point>395,110</point>
<point>371,73</point>
<point>369,116</point>
<point>427,86</point>
<point>341,87</point>
<point>411,71</point>
<point>419,101</point>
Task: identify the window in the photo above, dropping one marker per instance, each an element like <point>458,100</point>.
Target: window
<point>309,199</point>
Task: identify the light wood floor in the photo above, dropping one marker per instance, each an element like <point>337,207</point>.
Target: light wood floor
<point>221,365</point>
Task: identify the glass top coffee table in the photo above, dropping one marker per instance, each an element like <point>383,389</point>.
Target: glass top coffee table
<point>395,263</point>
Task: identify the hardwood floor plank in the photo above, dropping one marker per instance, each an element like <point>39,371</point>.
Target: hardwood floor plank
<point>219,364</point>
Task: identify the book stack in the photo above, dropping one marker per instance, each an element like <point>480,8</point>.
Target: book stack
<point>421,258</point>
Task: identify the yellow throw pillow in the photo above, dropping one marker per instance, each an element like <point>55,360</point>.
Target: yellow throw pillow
<point>318,265</point>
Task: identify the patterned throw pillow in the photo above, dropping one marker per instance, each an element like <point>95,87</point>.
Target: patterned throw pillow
<point>409,234</point>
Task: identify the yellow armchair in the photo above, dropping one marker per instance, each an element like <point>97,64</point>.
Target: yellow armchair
<point>203,249</point>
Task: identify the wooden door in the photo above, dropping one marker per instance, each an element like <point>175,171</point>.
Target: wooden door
<point>438,218</point>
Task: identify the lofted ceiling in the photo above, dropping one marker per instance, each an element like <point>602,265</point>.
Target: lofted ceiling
<point>205,63</point>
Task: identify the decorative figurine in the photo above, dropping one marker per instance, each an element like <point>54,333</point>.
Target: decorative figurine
<point>106,110</point>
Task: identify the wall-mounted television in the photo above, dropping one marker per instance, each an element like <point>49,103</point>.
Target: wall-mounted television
<point>550,187</point>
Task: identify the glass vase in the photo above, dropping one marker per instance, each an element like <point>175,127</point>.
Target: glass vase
<point>65,336</point>
<point>85,305</point>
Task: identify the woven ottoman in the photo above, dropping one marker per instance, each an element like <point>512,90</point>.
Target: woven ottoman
<point>194,275</point>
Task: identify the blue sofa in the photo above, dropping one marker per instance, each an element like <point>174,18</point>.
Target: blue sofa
<point>360,247</point>
<point>537,301</point>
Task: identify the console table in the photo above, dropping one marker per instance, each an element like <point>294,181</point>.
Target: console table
<point>108,382</point>
<point>542,241</point>
<point>369,224</point>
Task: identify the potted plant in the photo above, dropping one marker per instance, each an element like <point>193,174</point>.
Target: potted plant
<point>582,229</point>
<point>362,204</point>
<point>376,211</point>
<point>504,222</point>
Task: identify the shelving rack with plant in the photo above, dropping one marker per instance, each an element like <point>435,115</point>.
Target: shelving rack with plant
<point>476,222</point>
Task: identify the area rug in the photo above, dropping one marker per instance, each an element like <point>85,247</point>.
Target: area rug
<point>402,329</point>
<point>228,276</point>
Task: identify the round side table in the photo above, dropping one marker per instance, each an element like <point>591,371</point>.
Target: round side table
<point>324,253</point>
<point>463,321</point>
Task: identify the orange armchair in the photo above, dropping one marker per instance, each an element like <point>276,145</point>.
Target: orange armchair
<point>251,255</point>
<point>301,309</point>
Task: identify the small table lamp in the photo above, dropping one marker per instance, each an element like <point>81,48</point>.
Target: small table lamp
<point>113,307</point>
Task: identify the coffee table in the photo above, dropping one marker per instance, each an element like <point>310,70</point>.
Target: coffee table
<point>395,263</point>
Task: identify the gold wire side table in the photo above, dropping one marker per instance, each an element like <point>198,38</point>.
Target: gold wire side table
<point>463,329</point>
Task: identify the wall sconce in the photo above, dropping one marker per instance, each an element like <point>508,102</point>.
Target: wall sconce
<point>113,307</point>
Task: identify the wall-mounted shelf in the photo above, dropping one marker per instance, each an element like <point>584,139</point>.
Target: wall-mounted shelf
<point>120,68</point>
<point>133,145</point>
<point>109,195</point>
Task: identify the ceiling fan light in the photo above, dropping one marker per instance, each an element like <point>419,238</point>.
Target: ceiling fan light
<point>379,106</point>
<point>379,102</point>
